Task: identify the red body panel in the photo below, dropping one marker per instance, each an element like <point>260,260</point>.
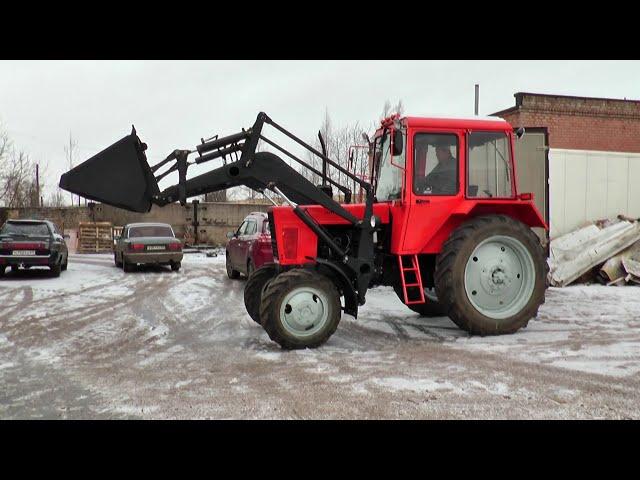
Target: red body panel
<point>286,220</point>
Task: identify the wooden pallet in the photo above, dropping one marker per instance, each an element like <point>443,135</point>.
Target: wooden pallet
<point>95,237</point>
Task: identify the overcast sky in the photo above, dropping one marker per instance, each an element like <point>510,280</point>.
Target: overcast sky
<point>175,103</point>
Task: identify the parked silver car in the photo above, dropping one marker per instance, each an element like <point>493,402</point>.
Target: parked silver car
<point>147,244</point>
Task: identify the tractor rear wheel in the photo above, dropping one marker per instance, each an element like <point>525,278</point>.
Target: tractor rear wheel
<point>253,289</point>
<point>491,275</point>
<point>300,309</point>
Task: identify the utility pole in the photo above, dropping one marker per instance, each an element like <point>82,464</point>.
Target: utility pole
<point>477,98</point>
<point>37,184</point>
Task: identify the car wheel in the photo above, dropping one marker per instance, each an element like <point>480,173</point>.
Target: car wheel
<point>115,260</point>
<point>55,270</point>
<point>126,266</point>
<point>65,264</point>
<point>175,266</point>
<point>250,268</point>
<point>2,271</point>
<point>231,273</point>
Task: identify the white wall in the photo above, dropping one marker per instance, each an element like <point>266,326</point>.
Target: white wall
<point>588,185</point>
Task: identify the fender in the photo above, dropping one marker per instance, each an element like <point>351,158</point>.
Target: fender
<point>350,295</point>
<point>523,211</point>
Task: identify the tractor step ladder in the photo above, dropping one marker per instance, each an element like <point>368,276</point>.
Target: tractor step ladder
<point>411,279</point>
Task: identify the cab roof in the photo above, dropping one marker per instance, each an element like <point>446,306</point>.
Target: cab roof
<point>473,123</point>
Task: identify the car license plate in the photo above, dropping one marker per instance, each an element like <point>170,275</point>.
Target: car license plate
<point>155,247</point>
<point>22,253</point>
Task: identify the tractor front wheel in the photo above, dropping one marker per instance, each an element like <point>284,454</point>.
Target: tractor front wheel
<point>300,309</point>
<point>491,275</point>
<point>253,289</point>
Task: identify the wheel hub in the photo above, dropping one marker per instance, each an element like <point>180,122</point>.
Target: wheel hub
<point>304,311</point>
<point>499,277</point>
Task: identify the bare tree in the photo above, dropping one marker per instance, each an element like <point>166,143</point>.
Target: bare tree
<point>389,109</point>
<point>56,199</point>
<point>17,184</point>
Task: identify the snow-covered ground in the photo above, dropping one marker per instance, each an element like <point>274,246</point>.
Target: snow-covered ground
<point>96,343</point>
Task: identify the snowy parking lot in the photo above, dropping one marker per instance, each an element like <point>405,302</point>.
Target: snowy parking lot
<point>99,343</point>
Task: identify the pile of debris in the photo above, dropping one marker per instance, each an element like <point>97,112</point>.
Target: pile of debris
<point>607,251</point>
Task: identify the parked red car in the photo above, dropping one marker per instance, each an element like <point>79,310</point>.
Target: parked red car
<point>250,246</point>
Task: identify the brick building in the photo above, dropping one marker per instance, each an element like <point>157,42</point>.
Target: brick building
<point>592,165</point>
<point>579,123</point>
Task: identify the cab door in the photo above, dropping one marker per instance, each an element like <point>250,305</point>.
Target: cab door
<point>434,185</point>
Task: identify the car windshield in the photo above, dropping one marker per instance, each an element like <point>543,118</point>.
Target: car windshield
<point>25,229</point>
<point>150,231</point>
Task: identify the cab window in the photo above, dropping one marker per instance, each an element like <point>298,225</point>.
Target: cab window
<point>435,167</point>
<point>489,165</point>
<point>389,185</point>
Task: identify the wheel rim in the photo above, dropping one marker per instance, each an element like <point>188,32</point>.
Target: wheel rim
<point>499,277</point>
<point>304,311</point>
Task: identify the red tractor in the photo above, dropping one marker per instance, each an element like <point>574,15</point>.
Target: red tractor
<point>442,223</point>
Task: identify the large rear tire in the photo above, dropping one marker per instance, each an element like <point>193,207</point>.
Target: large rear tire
<point>300,309</point>
<point>254,288</point>
<point>491,275</point>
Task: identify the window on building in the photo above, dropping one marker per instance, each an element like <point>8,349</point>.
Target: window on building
<point>489,167</point>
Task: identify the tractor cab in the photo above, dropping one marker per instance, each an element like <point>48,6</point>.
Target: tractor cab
<point>434,172</point>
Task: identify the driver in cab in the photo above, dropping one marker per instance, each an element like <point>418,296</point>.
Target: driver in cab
<point>442,179</point>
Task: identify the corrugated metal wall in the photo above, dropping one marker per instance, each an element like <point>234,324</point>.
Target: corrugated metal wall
<point>587,185</point>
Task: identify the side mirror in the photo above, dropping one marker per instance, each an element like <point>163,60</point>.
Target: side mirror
<point>520,133</point>
<point>230,235</point>
<point>397,143</point>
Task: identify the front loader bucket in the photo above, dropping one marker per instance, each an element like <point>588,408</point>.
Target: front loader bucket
<point>119,176</point>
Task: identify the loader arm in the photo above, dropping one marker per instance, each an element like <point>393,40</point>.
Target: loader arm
<point>121,176</point>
